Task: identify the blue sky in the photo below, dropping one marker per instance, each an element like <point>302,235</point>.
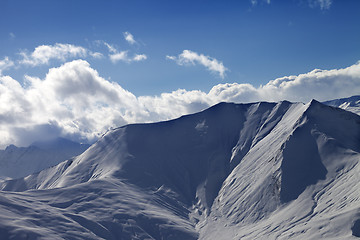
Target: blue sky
<point>255,42</point>
<point>179,57</point>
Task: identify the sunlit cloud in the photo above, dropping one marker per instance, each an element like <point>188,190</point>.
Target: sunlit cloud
<point>139,57</point>
<point>129,38</point>
<point>119,56</point>
<point>74,101</point>
<point>188,57</point>
<point>116,56</point>
<point>44,53</point>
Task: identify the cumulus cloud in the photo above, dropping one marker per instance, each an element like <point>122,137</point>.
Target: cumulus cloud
<point>44,53</point>
<point>188,57</point>
<point>72,98</point>
<point>129,38</point>
<point>74,101</point>
<point>5,64</point>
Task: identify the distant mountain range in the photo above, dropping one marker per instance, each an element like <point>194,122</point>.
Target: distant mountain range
<point>234,171</point>
<point>16,162</point>
<point>351,104</point>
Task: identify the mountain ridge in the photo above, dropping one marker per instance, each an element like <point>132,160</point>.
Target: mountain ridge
<point>231,171</point>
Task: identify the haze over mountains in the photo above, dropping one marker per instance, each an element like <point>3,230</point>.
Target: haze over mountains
<point>16,162</point>
<point>234,171</point>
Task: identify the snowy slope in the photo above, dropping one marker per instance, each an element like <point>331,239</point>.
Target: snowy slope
<point>251,171</point>
<point>351,104</point>
<point>16,162</point>
<point>305,185</point>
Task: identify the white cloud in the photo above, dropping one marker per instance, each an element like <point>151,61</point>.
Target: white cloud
<point>44,53</point>
<point>123,56</point>
<point>319,84</point>
<point>97,55</point>
<point>171,57</point>
<point>110,47</point>
<point>119,56</point>
<point>74,101</point>
<point>5,64</point>
<point>72,98</point>
<point>139,57</point>
<point>116,56</point>
<point>188,57</point>
<point>323,4</point>
<point>129,38</point>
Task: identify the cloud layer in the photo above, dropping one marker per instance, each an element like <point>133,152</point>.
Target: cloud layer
<point>188,57</point>
<point>44,54</point>
<point>75,102</point>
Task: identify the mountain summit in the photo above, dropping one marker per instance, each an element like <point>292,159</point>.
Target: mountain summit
<point>234,171</point>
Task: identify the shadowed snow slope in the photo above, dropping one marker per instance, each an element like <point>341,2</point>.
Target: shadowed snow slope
<point>250,171</point>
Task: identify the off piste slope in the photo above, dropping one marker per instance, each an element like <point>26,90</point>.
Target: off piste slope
<point>16,162</point>
<point>253,171</point>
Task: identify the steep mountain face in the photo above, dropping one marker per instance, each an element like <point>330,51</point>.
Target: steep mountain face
<point>351,104</point>
<point>249,171</point>
<point>16,162</point>
<point>304,186</point>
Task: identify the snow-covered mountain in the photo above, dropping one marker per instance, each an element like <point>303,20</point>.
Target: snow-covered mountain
<point>16,162</point>
<point>351,104</point>
<point>234,171</point>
